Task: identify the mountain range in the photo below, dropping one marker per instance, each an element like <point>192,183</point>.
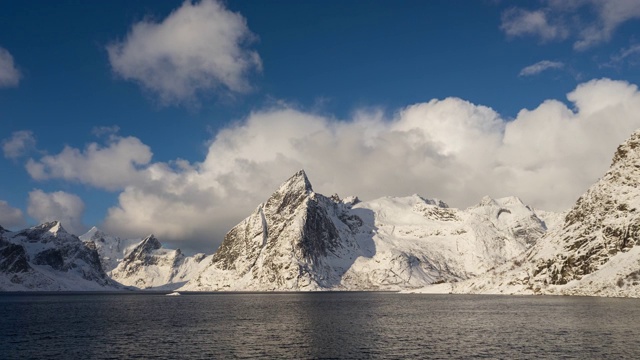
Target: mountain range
<point>300,240</point>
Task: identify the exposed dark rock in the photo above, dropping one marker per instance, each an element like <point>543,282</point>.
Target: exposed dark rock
<point>51,257</point>
<point>145,248</point>
<point>13,258</point>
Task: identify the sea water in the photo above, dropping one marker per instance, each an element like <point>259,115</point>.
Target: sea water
<point>315,325</point>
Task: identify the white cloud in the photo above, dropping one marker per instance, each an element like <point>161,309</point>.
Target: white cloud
<point>110,167</point>
<point>61,206</point>
<point>449,149</point>
<point>9,74</point>
<point>19,144</point>
<point>199,47</point>
<point>540,66</point>
<point>9,216</point>
<point>589,22</point>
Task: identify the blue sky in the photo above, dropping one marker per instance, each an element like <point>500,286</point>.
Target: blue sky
<point>195,105</point>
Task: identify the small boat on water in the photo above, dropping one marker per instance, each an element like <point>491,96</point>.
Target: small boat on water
<point>175,293</point>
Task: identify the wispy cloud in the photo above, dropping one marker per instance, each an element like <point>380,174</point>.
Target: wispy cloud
<point>9,74</point>
<point>541,66</point>
<point>521,22</point>
<point>589,22</point>
<point>200,47</point>
<point>630,55</point>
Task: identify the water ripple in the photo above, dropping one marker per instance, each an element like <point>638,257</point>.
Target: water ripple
<point>316,326</point>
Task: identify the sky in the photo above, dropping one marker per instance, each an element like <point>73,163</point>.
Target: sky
<point>180,118</point>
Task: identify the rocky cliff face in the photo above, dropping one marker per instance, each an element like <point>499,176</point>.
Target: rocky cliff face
<point>604,222</point>
<point>593,252</point>
<point>46,257</point>
<point>301,240</point>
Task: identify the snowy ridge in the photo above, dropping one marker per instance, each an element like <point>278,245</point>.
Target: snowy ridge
<point>301,240</point>
<point>593,252</point>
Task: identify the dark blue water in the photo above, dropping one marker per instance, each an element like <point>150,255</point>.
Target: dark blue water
<point>316,325</point>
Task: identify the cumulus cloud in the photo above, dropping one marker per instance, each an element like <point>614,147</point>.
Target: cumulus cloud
<point>449,149</point>
<point>19,144</point>
<point>109,167</point>
<point>199,47</point>
<point>589,22</point>
<point>61,206</point>
<point>540,66</point>
<point>9,216</point>
<point>9,74</point>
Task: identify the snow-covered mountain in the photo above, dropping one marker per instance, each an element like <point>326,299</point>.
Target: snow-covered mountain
<point>593,252</point>
<point>111,249</point>
<point>143,263</point>
<point>47,258</point>
<point>302,240</point>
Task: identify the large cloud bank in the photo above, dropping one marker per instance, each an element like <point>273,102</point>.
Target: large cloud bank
<point>449,149</point>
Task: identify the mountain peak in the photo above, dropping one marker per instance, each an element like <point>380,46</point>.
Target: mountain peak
<point>298,182</point>
<point>53,227</point>
<point>93,234</point>
<point>509,200</point>
<point>150,243</point>
<point>487,201</point>
<point>146,247</point>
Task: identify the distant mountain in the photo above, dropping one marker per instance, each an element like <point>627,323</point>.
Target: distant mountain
<point>46,257</point>
<point>143,263</point>
<point>593,252</point>
<point>302,240</point>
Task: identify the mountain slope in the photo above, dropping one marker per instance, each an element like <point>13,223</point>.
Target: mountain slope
<point>301,240</point>
<point>46,257</point>
<point>594,252</point>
